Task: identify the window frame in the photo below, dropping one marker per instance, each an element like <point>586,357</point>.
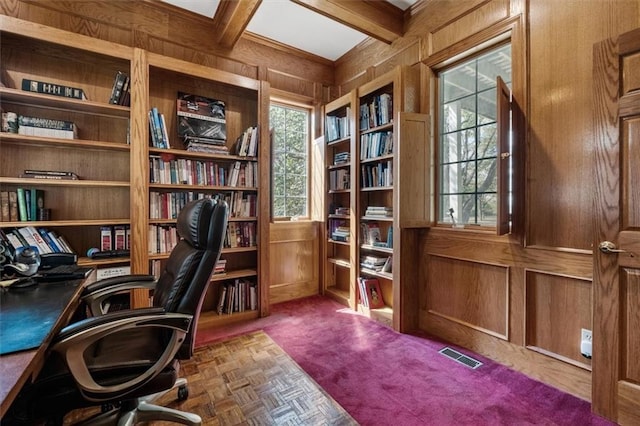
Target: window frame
<point>308,108</point>
<point>511,224</point>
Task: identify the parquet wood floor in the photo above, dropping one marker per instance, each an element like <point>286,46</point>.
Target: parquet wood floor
<point>250,380</point>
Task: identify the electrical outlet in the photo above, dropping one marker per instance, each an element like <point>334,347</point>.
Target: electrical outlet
<point>586,343</point>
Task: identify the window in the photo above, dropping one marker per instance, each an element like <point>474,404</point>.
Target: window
<point>290,167</point>
<point>468,148</point>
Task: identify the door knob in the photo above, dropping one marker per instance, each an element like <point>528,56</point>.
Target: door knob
<point>608,247</point>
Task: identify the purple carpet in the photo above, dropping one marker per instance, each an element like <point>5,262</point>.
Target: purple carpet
<point>386,378</point>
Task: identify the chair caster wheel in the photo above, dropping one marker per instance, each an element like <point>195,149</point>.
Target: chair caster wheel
<point>183,393</point>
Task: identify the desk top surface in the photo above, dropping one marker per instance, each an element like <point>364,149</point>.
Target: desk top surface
<point>31,316</point>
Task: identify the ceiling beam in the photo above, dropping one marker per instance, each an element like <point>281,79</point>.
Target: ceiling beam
<point>231,19</point>
<point>378,19</point>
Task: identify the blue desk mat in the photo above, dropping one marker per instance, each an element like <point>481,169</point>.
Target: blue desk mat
<point>28,314</point>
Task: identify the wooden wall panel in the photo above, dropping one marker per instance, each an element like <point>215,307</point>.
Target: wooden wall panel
<point>468,293</point>
<point>467,25</point>
<point>293,261</point>
<point>631,323</point>
<point>291,83</point>
<point>631,174</point>
<point>631,80</point>
<point>558,308</point>
<point>560,116</point>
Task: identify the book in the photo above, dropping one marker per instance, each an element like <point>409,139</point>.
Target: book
<point>374,294</point>
<point>106,240</point>
<point>201,117</point>
<point>13,206</point>
<point>57,174</point>
<point>53,89</point>
<point>22,204</point>
<point>46,127</point>
<point>119,237</point>
<point>118,84</point>
<point>36,204</point>
<point>5,214</point>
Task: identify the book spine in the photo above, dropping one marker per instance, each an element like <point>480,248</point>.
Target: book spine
<point>28,238</point>
<point>53,89</point>
<point>14,240</point>
<point>116,90</point>
<point>47,239</point>
<point>45,123</point>
<point>43,247</point>
<point>106,240</point>
<point>22,205</point>
<point>13,206</point>
<point>4,206</point>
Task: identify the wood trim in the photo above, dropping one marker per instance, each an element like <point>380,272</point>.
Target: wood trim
<point>231,19</point>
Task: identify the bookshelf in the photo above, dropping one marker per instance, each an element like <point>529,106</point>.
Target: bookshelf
<point>114,158</point>
<point>392,190</point>
<point>209,174</point>
<point>99,155</point>
<point>339,248</point>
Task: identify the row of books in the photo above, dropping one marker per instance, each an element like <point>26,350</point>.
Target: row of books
<point>29,236</point>
<point>376,144</point>
<point>38,126</point>
<point>377,112</point>
<point>239,295</point>
<point>158,134</point>
<point>22,205</point>
<point>202,172</point>
<point>339,179</point>
<point>120,92</point>
<point>117,237</point>
<point>162,238</point>
<point>240,234</point>
<point>167,205</point>
<point>220,268</point>
<point>370,293</point>
<point>247,143</point>
<point>377,175</point>
<point>337,127</point>
<point>370,234</point>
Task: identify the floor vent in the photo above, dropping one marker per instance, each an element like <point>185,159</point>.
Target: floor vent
<point>461,358</point>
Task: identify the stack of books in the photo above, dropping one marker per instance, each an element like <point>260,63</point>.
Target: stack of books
<point>53,89</point>
<point>373,263</point>
<point>45,127</point>
<point>120,90</point>
<point>29,236</point>
<point>202,123</point>
<point>342,211</point>
<point>339,230</point>
<point>379,211</point>
<point>341,158</point>
<point>220,268</point>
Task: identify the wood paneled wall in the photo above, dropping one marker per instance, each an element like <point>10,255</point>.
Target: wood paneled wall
<point>521,303</point>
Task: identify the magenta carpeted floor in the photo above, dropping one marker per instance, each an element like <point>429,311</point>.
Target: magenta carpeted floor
<point>386,378</point>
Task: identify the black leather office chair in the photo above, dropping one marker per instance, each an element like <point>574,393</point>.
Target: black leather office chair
<point>127,357</point>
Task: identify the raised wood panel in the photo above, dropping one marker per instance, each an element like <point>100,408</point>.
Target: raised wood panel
<point>630,321</point>
<point>631,173</point>
<point>561,132</point>
<point>628,405</point>
<point>293,261</point>
<point>557,309</point>
<point>487,248</point>
<point>291,83</point>
<point>631,79</point>
<point>468,293</point>
<point>468,24</point>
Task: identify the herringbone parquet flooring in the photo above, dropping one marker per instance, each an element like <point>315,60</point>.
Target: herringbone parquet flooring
<point>250,380</point>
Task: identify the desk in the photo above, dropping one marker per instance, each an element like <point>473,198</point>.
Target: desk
<point>62,299</point>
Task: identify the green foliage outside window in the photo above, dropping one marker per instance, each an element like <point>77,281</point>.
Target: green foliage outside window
<point>290,152</point>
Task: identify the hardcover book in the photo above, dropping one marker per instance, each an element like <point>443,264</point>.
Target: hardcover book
<point>201,117</point>
<point>53,89</point>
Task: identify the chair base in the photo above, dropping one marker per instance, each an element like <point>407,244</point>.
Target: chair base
<point>142,410</point>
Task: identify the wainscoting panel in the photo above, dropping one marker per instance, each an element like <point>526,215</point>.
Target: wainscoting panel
<point>293,261</point>
<point>558,307</point>
<point>472,294</point>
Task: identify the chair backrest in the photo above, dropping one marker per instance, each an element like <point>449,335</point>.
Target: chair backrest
<point>183,282</point>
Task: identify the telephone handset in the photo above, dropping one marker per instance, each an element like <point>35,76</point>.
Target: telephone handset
<point>25,261</point>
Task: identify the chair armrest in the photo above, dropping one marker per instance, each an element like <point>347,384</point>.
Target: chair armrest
<point>97,293</point>
<point>72,342</point>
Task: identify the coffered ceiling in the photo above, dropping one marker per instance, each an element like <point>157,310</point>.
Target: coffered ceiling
<point>325,28</point>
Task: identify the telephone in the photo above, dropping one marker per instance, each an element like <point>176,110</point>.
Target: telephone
<point>25,261</point>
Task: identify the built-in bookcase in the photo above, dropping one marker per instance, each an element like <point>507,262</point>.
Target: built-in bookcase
<point>115,160</point>
<point>339,247</point>
<point>388,195</point>
<point>100,154</point>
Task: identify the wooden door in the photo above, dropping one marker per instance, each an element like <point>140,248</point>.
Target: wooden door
<point>616,275</point>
